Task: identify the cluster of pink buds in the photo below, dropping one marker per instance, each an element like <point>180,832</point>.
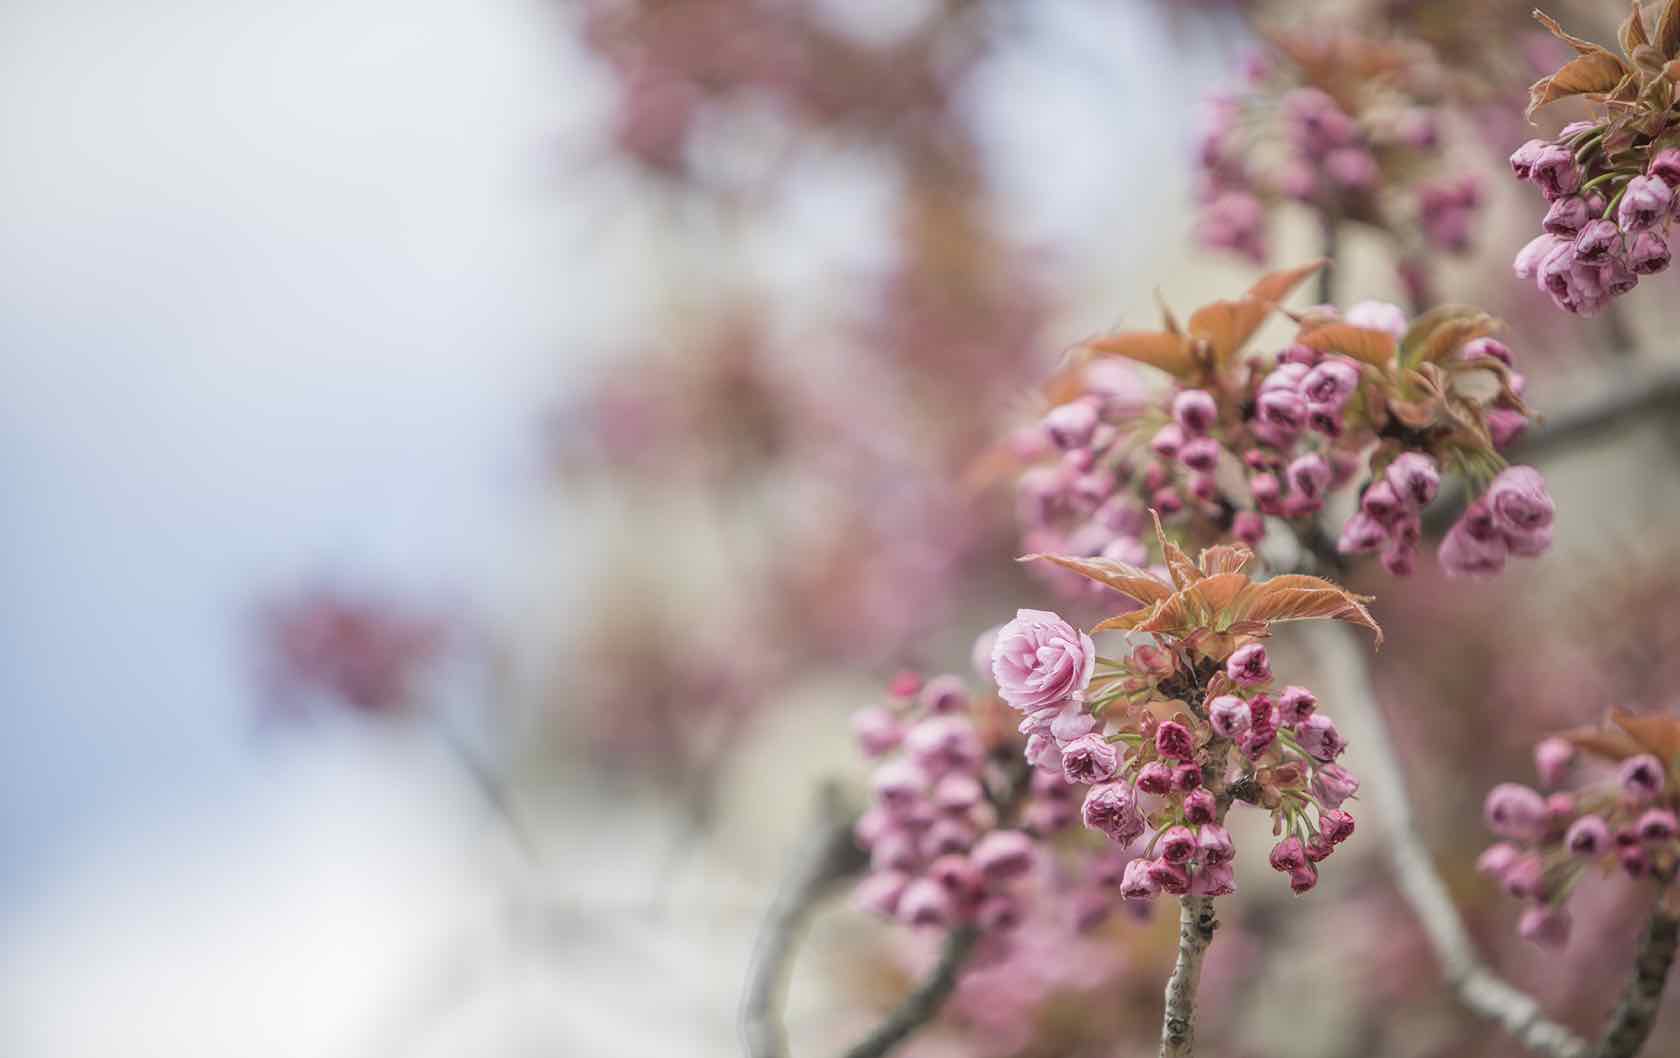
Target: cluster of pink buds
<point>1342,153</point>
<point>1626,820</point>
<point>1367,398</point>
<point>1608,218</point>
<point>1163,745</point>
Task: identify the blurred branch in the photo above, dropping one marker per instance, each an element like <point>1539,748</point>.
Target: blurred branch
<point>921,1005</point>
<point>490,787</point>
<point>1626,406</point>
<point>1196,924</point>
<point>1631,1022</point>
<point>827,855</point>
<point>1477,988</point>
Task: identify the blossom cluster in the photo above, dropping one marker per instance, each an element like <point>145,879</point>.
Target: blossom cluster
<point>1164,744</point>
<point>1307,130</point>
<point>1607,222</point>
<point>1367,399</point>
<point>1626,820</point>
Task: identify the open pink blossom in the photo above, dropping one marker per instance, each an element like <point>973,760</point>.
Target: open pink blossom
<point>1038,659</point>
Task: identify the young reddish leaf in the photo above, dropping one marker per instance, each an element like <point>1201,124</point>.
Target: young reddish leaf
<point>1595,73</point>
<point>1363,344</point>
<point>1667,39</point>
<point>1228,325</point>
<point>1184,571</point>
<point>1171,617</point>
<point>1224,558</point>
<point>1656,733</point>
<point>1168,352</point>
<point>1275,286</point>
<point>1632,34</point>
<point>1128,580</point>
<point>1441,331</point>
<point>1214,595</point>
<point>1296,597</point>
<point>1125,622</point>
<point>1611,745</point>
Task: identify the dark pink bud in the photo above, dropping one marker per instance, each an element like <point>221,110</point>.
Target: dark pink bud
<point>1071,425</point>
<point>1505,425</point>
<point>1496,859</point>
<point>1665,166</point>
<point>1283,410</point>
<point>1361,534</point>
<point>925,902</point>
<point>1318,848</point>
<point>1265,490</point>
<point>1400,558</point>
<point>1169,877</point>
<point>1414,478</point>
<point>1657,825</point>
<point>1214,844</point>
<point>1172,739</point>
<point>1587,837</point>
<point>1167,441</point>
<point>1112,809</point>
<point>1249,527</point>
<point>1167,501</point>
<point>1004,854</point>
<point>1332,784</point>
<point>1487,349</point>
<point>1288,855</point>
<point>1309,475</point>
<point>1567,216</point>
<point>1200,807</point>
<point>1177,844</point>
<point>1195,412</point>
<point>1201,454</point>
<point>1155,778</point>
<point>1515,811</point>
<point>1186,777</point>
<point>1248,666</point>
<point>877,730</point>
<point>1214,879</point>
<point>957,875</point>
<point>1330,383</point>
<point>1649,253</point>
<point>1645,203</point>
<point>1464,553</point>
<point>1319,737</point>
<point>1335,825</point>
<point>1634,861</point>
<point>1326,420</point>
<point>1353,168</point>
<point>1560,809</point>
<point>1523,877</point>
<point>1138,883</point>
<point>1545,925</point>
<point>1295,704</point>
<point>1552,757</point>
<point>1519,501</point>
<point>1303,878</point>
<point>1597,241</point>
<point>1229,715</point>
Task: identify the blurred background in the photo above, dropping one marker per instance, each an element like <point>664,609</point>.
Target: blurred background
<point>464,462</point>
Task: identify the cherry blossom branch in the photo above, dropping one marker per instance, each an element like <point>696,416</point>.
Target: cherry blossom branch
<point>920,1006</point>
<point>1196,923</point>
<point>1476,987</point>
<point>1631,1022</point>
<point>827,855</point>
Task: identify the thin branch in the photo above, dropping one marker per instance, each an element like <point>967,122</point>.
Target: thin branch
<point>1196,923</point>
<point>827,855</point>
<point>1631,1022</point>
<point>490,786</point>
<point>921,1005</point>
<point>1477,988</point>
<point>1625,406</point>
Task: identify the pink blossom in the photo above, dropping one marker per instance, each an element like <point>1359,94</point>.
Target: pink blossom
<point>1361,534</point>
<point>1303,878</point>
<point>1309,475</point>
<point>1288,854</point>
<point>1177,844</point>
<point>1213,842</point>
<point>1649,253</point>
<point>1529,258</point>
<point>1552,758</point>
<point>1195,412</point>
<point>1137,883</point>
<point>1330,383</point>
<point>1587,837</point>
<point>1646,202</point>
<point>1524,157</point>
<point>1004,854</point>
<point>1567,216</point>
<point>1496,859</point>
<point>1039,659</point>
<point>957,791</point>
<point>1319,737</point>
<point>1657,825</point>
<point>1168,877</point>
<point>1112,809</point>
<point>945,694</point>
<point>1089,759</point>
<point>1332,784</point>
<point>1214,879</point>
<point>1295,704</point>
<point>925,902</point>
<point>1248,666</point>
<point>1335,825</point>
<point>1070,425</point>
<point>1155,777</point>
<point>877,730</point>
<point>1229,715</point>
<point>1378,316</point>
<point>1200,807</point>
<point>1515,811</point>
<point>1519,500</point>
<point>1172,740</point>
<point>1071,722</point>
<point>879,892</point>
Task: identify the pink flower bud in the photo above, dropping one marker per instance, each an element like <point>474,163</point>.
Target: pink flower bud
<point>946,836</point>
<point>1496,859</point>
<point>1528,259</point>
<point>1249,527</point>
<point>1515,811</point>
<point>1155,778</point>
<point>1071,425</point>
<point>1303,878</point>
<point>1167,501</point>
<point>1545,925</point>
<point>1464,553</point>
<point>1657,825</point>
<point>1567,216</point>
<point>1504,425</point>
<point>1167,441</point>
<point>1649,253</point>
<point>1587,837</point>
<point>1634,862</point>
<point>945,694</point>
<point>1177,844</point>
<point>1283,410</point>
<point>1200,454</point>
<point>1319,737</point>
<point>1665,166</point>
<point>958,875</point>
<point>894,850</point>
<point>899,784</point>
<point>925,902</point>
<point>1169,877</point>
<point>877,730</point>
<point>1265,490</point>
<point>871,825</point>
<point>1309,475</point>
<point>1186,777</point>
<point>1044,753</point>
<point>1414,478</point>
<point>1352,168</point>
<point>1553,168</point>
<point>1213,844</point>
<point>944,743</point>
<point>1552,757</point>
<point>1295,704</point>
<point>1486,349</point>
<point>1229,715</point>
<point>999,912</point>
<point>1332,784</point>
<point>958,791</point>
<point>1361,534</point>
<point>1038,659</point>
<point>1335,825</point>
<point>1330,384</point>
<point>1288,855</point>
<point>1004,854</point>
<point>1597,241</point>
<point>1089,759</point>
<point>879,892</point>
<point>1318,848</point>
<point>1071,722</point>
<point>1286,376</point>
<point>1214,879</point>
<point>1043,818</point>
<point>1137,883</point>
<point>1200,807</point>
<point>1195,412</point>
<point>1172,740</point>
<point>1523,158</point>
<point>1112,809</point>
<point>1248,666</point>
<point>1519,500</point>
<point>1645,203</point>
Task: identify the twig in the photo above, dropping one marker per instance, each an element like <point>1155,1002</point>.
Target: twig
<point>921,1005</point>
<point>1196,924</point>
<point>1630,1023</point>
<point>490,786</point>
<point>1619,409</point>
<point>1477,988</point>
<point>827,855</point>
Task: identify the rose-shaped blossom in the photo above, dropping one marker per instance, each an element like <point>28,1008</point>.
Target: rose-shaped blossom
<point>1294,705</point>
<point>1039,659</point>
<point>1195,412</point>
<point>1200,807</point>
<point>899,784</point>
<point>1186,777</point>
<point>1288,854</point>
<point>1167,441</point>
<point>1330,383</point>
<point>1519,500</point>
<point>1248,666</point>
<point>1552,757</point>
<point>1169,877</point>
<point>1597,241</point>
<point>877,730</point>
<point>1505,425</point>
<point>1665,166</point>
<point>1332,784</point>
<point>1213,844</point>
<point>1381,502</point>
<point>925,902</point>
<point>1515,811</point>
<point>1646,202</point>
<point>1649,253</point>
<point>1319,737</point>
<point>1309,475</point>
<point>940,744</point>
<point>1545,925</point>
<point>1335,825</point>
<point>957,791</point>
<point>1201,454</point>
<point>1214,879</point>
<point>1229,715</point>
<point>1587,837</point>
<point>1283,410</point>
<point>1177,844</point>
<point>1249,527</point>
<point>1173,740</point>
<point>1089,759</point>
<point>1137,883</point>
<point>1044,753</point>
<point>1112,808</point>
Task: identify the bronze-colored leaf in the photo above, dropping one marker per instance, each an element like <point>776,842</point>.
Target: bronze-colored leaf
<point>1172,617</point>
<point>1442,331</point>
<point>1184,571</point>
<point>1632,34</point>
<point>1611,745</point>
<point>1125,622</point>
<point>1226,325</point>
<point>1595,73</point>
<point>1667,39</point>
<point>1273,287</point>
<point>1585,47</point>
<point>1225,558</point>
<point>1169,322</point>
<point>1362,343</point>
<point>1214,595</point>
<point>1658,733</point>
<point>1297,597</point>
<point>1168,352</point>
<point>1130,581</point>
